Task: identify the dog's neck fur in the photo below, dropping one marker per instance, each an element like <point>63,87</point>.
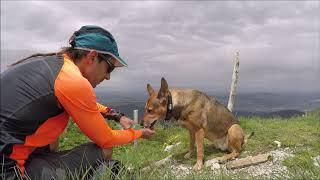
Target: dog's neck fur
<point>178,102</point>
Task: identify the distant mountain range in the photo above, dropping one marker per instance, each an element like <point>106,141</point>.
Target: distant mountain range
<point>247,104</point>
<point>281,113</point>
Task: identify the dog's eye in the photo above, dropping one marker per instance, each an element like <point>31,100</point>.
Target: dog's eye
<point>149,110</point>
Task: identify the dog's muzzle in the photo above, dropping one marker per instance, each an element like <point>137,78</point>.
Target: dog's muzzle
<point>153,123</point>
<point>150,125</point>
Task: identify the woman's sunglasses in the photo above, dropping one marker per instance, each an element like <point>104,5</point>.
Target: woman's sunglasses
<point>107,59</point>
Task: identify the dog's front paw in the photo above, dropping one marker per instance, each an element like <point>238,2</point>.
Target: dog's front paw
<point>188,155</point>
<point>198,166</point>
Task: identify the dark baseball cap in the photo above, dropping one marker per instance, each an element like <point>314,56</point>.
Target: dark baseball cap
<point>92,37</point>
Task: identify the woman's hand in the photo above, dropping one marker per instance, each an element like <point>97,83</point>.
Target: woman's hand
<point>147,133</point>
<point>125,122</point>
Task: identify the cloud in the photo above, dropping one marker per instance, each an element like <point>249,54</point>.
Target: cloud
<point>191,43</point>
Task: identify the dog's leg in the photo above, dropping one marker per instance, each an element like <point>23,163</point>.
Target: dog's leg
<point>199,136</point>
<point>191,145</point>
<point>235,140</point>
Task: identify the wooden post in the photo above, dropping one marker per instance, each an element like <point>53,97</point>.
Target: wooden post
<point>232,96</point>
<point>135,119</point>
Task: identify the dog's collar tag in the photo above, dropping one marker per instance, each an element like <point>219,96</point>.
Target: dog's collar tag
<point>169,107</point>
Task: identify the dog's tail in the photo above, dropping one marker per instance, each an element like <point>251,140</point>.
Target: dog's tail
<point>248,136</point>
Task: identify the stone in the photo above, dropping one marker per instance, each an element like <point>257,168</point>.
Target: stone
<point>278,143</point>
<point>316,161</point>
<point>170,147</point>
<point>213,164</point>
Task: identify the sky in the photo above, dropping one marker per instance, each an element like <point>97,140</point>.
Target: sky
<point>190,43</point>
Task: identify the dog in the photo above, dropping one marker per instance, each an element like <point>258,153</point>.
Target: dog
<point>202,115</point>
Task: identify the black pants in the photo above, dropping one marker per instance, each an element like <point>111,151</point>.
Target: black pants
<point>77,163</point>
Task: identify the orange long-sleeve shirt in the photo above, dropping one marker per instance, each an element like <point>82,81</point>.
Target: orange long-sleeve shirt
<point>77,97</point>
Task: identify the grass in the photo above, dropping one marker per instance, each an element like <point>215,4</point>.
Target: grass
<point>300,134</point>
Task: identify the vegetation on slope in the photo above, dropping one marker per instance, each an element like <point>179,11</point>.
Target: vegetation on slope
<point>301,134</point>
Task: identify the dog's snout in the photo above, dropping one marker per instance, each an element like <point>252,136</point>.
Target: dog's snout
<point>149,124</point>
<point>145,123</point>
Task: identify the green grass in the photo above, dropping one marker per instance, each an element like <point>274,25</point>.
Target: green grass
<point>300,134</point>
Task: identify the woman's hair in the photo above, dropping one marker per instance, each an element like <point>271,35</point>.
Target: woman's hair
<point>74,54</point>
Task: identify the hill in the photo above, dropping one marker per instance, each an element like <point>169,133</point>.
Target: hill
<point>294,159</point>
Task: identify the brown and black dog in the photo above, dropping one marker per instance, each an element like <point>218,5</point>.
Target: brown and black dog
<point>202,115</point>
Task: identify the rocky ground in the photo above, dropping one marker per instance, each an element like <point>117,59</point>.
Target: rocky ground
<point>271,168</point>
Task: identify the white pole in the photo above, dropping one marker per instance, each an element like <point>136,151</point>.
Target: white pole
<point>135,119</point>
<point>232,96</point>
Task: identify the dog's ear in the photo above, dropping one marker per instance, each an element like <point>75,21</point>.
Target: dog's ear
<point>163,89</point>
<point>150,89</point>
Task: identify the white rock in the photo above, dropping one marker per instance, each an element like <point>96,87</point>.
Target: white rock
<point>212,163</point>
<point>316,161</point>
<point>163,161</point>
<point>170,147</point>
<point>215,166</point>
<point>130,167</point>
<point>278,143</point>
<point>158,163</point>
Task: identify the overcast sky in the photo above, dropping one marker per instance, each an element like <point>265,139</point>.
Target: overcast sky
<point>191,44</point>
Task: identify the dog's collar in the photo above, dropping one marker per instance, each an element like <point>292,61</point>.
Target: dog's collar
<point>169,107</point>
